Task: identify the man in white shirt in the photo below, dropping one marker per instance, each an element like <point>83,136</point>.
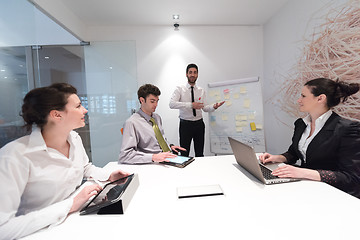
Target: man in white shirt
<point>191,101</point>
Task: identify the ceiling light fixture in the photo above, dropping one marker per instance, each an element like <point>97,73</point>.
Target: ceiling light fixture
<point>176,26</point>
<point>176,17</point>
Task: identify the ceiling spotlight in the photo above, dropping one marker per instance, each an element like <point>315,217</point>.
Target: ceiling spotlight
<point>176,16</point>
<point>176,26</point>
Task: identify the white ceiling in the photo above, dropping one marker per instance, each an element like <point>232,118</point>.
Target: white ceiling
<point>159,12</point>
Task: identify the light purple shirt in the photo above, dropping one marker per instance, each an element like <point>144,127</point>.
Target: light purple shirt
<point>139,142</point>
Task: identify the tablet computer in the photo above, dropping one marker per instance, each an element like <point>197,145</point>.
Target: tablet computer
<point>111,193</point>
<point>179,161</point>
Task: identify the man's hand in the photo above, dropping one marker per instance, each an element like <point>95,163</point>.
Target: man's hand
<point>217,105</point>
<point>176,148</point>
<point>161,157</point>
<point>197,105</point>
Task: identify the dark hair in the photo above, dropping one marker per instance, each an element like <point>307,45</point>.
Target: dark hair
<point>335,91</point>
<point>146,90</point>
<point>191,65</point>
<point>40,101</point>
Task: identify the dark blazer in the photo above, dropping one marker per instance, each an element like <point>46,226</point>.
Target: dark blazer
<point>334,152</point>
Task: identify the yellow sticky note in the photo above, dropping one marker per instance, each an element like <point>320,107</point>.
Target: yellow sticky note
<point>213,124</point>
<point>253,126</point>
<point>228,103</point>
<point>224,117</point>
<point>226,96</point>
<point>259,126</point>
<point>251,116</point>
<point>244,123</point>
<point>239,129</point>
<point>243,90</point>
<point>218,98</point>
<point>247,103</point>
<point>236,95</point>
<point>238,124</point>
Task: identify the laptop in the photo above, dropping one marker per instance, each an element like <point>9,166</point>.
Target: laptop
<point>246,158</point>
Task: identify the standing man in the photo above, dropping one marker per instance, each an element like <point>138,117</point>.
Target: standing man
<point>143,137</point>
<point>190,100</point>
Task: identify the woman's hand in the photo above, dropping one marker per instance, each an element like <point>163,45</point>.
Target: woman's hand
<point>269,158</point>
<point>83,196</point>
<point>289,171</point>
<point>117,175</point>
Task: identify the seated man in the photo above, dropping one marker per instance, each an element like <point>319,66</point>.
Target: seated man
<point>143,140</point>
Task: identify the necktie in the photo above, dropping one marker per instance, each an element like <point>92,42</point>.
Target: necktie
<point>193,99</point>
<point>159,136</point>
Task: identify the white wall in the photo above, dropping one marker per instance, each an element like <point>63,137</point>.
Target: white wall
<point>284,37</point>
<point>221,53</point>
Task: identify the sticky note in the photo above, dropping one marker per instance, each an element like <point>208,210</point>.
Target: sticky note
<point>226,96</point>
<point>239,129</point>
<point>236,95</point>
<point>228,103</point>
<point>243,90</point>
<point>247,103</point>
<point>224,117</point>
<point>253,126</point>
<point>240,117</point>
<point>259,126</point>
<point>244,123</point>
<point>251,116</point>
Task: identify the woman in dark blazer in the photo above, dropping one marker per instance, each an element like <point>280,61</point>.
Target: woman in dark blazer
<point>327,144</point>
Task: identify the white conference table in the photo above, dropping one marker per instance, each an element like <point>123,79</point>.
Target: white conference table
<point>248,210</point>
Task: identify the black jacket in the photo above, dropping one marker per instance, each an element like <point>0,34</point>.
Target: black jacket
<point>334,152</point>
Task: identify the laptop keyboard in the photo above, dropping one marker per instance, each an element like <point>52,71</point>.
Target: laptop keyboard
<point>267,173</point>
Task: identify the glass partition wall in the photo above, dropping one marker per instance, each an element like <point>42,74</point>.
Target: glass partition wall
<point>103,72</point>
<point>13,87</point>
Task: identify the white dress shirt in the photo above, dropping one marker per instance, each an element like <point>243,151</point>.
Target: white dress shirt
<point>181,99</point>
<point>139,142</point>
<point>36,183</point>
<point>305,140</point>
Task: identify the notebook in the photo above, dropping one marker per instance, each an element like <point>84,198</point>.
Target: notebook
<point>246,158</point>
